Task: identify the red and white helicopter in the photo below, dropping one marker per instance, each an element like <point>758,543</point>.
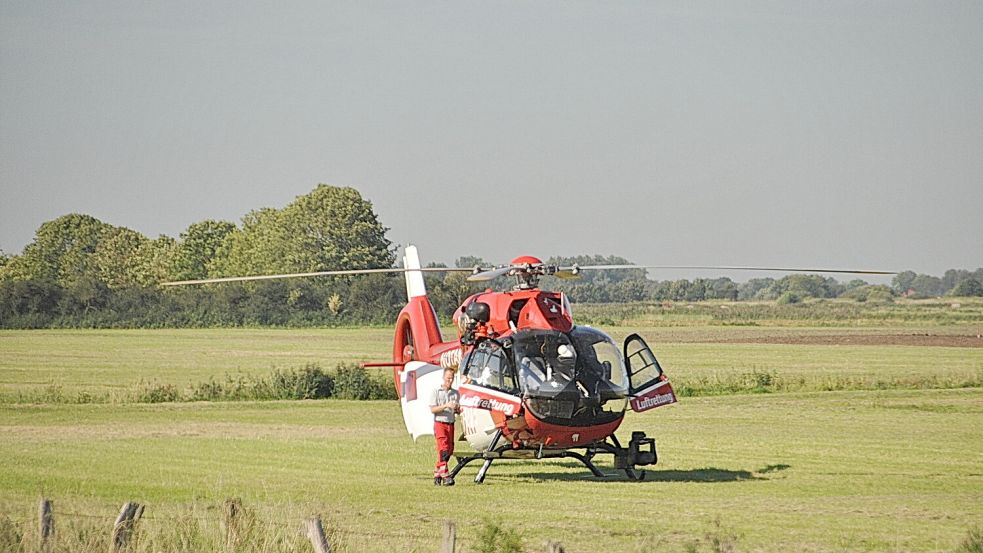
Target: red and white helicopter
<point>533,384</point>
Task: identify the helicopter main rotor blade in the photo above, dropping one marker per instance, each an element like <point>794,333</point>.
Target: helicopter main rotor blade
<point>566,274</point>
<point>317,273</point>
<point>489,275</point>
<point>576,268</point>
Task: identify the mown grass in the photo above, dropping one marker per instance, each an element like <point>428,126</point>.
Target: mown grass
<point>99,361</point>
<point>834,471</point>
<point>774,447</point>
<point>125,365</point>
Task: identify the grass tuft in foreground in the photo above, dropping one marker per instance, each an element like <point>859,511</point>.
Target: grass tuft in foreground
<point>973,542</point>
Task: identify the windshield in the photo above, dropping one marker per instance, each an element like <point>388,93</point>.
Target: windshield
<point>600,360</point>
<point>579,375</point>
<point>547,361</point>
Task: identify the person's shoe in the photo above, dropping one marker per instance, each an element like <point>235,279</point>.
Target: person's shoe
<point>448,481</point>
<point>437,480</point>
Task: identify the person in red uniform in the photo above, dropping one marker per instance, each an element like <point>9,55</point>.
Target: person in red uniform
<point>444,404</point>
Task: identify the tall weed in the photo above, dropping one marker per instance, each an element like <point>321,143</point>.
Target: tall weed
<point>973,543</point>
<point>492,538</point>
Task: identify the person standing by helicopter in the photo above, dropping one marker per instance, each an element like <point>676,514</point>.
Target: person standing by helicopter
<point>444,404</point>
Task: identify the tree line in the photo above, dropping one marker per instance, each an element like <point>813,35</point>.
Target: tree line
<point>82,272</point>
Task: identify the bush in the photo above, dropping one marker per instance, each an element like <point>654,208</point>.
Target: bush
<point>154,392</point>
<point>206,391</point>
<point>874,293</point>
<point>354,382</point>
<point>309,383</point>
<point>759,382</point>
<point>788,298</point>
<point>348,381</point>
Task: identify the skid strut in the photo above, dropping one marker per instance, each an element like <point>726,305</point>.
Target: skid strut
<point>640,451</point>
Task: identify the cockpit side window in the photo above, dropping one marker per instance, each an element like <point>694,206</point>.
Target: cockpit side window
<point>489,366</point>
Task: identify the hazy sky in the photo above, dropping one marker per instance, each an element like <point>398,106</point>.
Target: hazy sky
<point>843,134</point>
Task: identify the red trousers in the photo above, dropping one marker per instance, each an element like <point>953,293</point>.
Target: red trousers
<point>443,433</point>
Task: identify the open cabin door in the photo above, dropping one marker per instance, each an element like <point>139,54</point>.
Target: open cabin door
<point>648,387</point>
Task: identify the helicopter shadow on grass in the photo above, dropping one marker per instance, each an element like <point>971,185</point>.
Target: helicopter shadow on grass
<point>705,475</point>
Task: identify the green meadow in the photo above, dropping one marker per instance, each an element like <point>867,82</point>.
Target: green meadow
<point>849,446</point>
<point>111,363</point>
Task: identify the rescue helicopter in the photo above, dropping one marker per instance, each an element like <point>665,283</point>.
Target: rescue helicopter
<point>532,383</point>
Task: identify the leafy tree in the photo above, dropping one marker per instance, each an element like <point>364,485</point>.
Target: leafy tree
<point>952,277</point>
<point>125,258</point>
<point>628,291</point>
<point>448,293</point>
<point>808,286</point>
<point>470,262</point>
<point>678,289</point>
<point>376,298</point>
<point>697,290</point>
<point>155,261</point>
<point>330,228</point>
<point>902,281</point>
<point>254,249</point>
<point>598,286</point>
<point>927,286</point>
<point>967,287</point>
<point>722,289</point>
<point>755,288</point>
<point>338,229</point>
<point>116,259</point>
<point>603,275</point>
<point>61,252</point>
<point>197,248</point>
<point>854,284</point>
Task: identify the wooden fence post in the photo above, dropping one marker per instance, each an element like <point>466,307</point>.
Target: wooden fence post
<point>553,547</point>
<point>232,521</point>
<point>46,522</point>
<point>315,533</point>
<point>450,537</point>
<point>128,517</point>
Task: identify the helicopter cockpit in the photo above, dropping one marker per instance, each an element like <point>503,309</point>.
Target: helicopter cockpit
<point>576,378</point>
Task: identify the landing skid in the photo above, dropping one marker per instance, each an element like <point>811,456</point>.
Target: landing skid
<point>640,451</point>
<point>490,456</point>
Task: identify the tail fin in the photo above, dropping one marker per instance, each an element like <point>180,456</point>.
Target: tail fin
<point>415,286</point>
<point>417,330</point>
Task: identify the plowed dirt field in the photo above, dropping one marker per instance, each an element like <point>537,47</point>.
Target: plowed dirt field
<point>865,340</point>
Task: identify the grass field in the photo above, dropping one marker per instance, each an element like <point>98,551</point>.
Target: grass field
<point>861,469</point>
<point>836,471</point>
<point>113,361</point>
